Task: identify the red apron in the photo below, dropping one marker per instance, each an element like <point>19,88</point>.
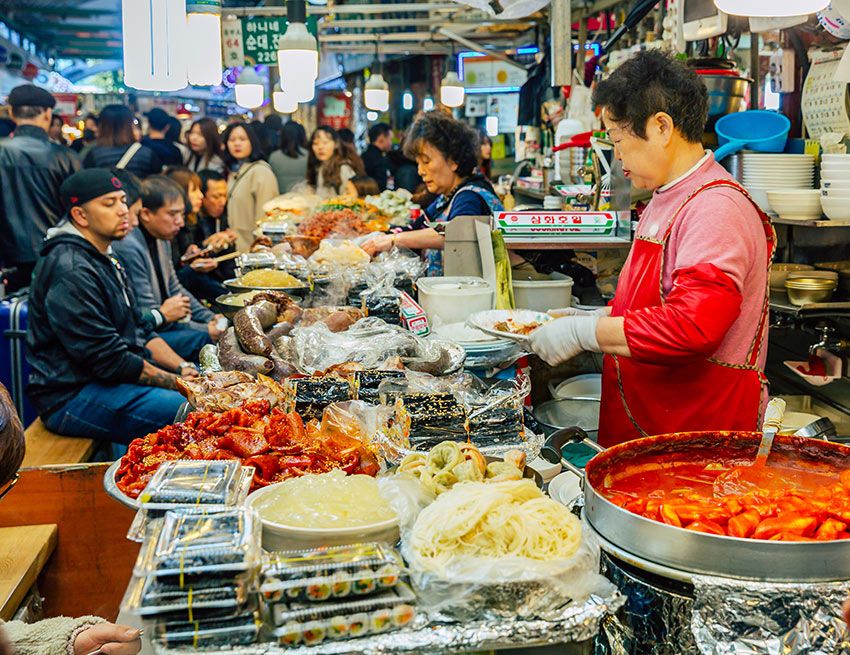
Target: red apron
<point>646,399</point>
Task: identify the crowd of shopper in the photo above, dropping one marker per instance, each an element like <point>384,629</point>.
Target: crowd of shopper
<point>118,237</point>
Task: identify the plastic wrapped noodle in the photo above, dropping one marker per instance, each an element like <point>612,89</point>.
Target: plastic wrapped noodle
<point>486,550</point>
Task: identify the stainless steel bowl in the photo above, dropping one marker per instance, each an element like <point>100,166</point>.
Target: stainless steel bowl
<point>580,412</point>
<point>810,290</point>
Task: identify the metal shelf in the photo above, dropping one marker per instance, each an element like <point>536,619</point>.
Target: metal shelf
<point>779,302</point>
<point>813,222</point>
<point>568,243</point>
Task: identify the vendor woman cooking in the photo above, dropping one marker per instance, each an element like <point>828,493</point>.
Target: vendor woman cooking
<point>685,337</point>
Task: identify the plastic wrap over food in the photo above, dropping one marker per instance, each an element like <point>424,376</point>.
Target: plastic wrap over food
<point>742,617</point>
<point>458,407</point>
<point>575,623</point>
<point>471,588</point>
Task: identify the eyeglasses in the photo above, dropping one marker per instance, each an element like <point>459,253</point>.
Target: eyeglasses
<point>8,486</point>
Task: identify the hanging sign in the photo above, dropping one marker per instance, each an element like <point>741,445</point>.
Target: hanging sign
<point>335,109</point>
<point>253,40</point>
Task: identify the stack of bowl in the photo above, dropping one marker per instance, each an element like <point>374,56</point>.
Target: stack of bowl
<point>835,186</point>
<point>763,172</point>
<point>795,204</point>
<point>811,287</point>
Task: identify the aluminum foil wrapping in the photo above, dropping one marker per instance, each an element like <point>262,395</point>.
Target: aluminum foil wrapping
<point>738,617</point>
<point>573,624</point>
<point>655,619</point>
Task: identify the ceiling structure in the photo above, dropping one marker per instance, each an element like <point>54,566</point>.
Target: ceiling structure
<point>91,29</point>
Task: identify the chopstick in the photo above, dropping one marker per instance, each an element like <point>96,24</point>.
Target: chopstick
<point>224,258</point>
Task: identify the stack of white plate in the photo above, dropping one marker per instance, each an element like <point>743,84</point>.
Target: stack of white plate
<point>474,342</point>
<point>763,172</point>
<point>835,186</point>
<point>796,204</point>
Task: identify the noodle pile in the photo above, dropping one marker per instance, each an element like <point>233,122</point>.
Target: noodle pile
<point>493,521</point>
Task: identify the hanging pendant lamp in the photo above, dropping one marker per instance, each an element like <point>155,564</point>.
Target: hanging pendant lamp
<point>154,40</point>
<point>298,54</point>
<point>770,8</point>
<point>249,89</point>
<point>203,20</point>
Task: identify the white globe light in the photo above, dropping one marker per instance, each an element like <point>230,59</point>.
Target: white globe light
<point>376,93</point>
<point>407,101</point>
<point>284,103</point>
<point>770,8</point>
<point>428,103</point>
<point>249,89</point>
<point>204,54</point>
<point>155,44</point>
<point>451,90</point>
<point>371,115</point>
<point>298,60</point>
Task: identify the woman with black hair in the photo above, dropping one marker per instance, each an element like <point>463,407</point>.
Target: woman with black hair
<point>485,157</point>
<point>446,151</point>
<point>330,164</point>
<point>205,145</point>
<point>117,145</point>
<point>289,161</point>
<point>251,185</point>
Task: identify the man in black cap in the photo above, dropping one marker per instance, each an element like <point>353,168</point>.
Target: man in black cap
<point>31,171</point>
<point>96,371</point>
<point>156,140</point>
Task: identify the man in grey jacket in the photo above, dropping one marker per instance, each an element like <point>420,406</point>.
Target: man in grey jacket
<point>176,315</point>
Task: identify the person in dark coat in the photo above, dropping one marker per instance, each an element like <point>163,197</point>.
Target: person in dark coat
<point>115,138</point>
<point>159,138</point>
<point>31,171</point>
<point>375,155</point>
<point>95,372</point>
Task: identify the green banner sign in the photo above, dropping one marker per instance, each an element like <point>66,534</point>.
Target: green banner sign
<point>255,40</point>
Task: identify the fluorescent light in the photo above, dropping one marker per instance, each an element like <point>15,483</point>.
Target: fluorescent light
<point>428,103</point>
<point>376,94</point>
<point>407,101</point>
<point>204,34</point>
<point>492,89</point>
<point>298,60</point>
<point>451,90</point>
<point>491,124</point>
<point>770,8</point>
<point>249,89</point>
<point>155,44</point>
<point>371,115</point>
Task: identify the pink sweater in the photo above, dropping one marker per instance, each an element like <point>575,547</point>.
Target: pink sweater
<point>720,227</point>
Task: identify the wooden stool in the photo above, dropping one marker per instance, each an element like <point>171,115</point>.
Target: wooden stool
<point>46,448</point>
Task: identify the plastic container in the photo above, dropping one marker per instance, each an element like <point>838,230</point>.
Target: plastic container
<point>756,129</point>
<point>452,299</point>
<point>313,624</point>
<point>543,295</point>
<point>186,544</point>
<point>238,631</point>
<point>329,573</point>
<point>147,597</point>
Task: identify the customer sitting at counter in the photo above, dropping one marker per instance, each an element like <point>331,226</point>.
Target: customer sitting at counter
<point>96,371</point>
<point>446,151</point>
<point>685,336</point>
<point>146,255</point>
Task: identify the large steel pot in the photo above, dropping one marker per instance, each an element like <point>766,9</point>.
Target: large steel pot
<point>696,552</point>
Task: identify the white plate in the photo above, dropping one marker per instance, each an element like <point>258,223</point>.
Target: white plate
<point>485,321</point>
<point>545,468</point>
<point>469,337</point>
<point>565,488</point>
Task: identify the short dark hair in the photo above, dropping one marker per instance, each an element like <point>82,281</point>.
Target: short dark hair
<point>365,185</point>
<point>131,184</point>
<point>27,112</point>
<point>159,190</point>
<point>173,129</point>
<point>12,441</point>
<point>208,175</point>
<point>651,82</point>
<point>91,116</point>
<point>257,152</point>
<point>346,135</point>
<point>377,131</point>
<point>293,139</point>
<point>456,140</point>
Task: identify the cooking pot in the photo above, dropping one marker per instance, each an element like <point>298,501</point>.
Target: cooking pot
<point>697,552</point>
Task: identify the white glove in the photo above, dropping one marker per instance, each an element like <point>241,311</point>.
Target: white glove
<point>564,338</point>
<point>575,311</point>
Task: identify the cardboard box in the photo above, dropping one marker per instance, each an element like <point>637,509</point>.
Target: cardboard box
<point>558,223</point>
<point>413,316</point>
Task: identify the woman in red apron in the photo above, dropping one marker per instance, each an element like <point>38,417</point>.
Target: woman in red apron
<point>685,335</point>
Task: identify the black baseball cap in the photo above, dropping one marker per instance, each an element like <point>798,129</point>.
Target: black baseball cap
<point>29,95</point>
<point>88,184</point>
<point>158,118</point>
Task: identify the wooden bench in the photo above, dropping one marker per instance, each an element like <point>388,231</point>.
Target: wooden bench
<point>46,448</point>
<point>25,550</point>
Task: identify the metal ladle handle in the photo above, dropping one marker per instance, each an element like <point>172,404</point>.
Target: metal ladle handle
<point>551,450</point>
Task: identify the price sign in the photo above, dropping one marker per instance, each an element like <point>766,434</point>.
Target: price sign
<point>254,40</point>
